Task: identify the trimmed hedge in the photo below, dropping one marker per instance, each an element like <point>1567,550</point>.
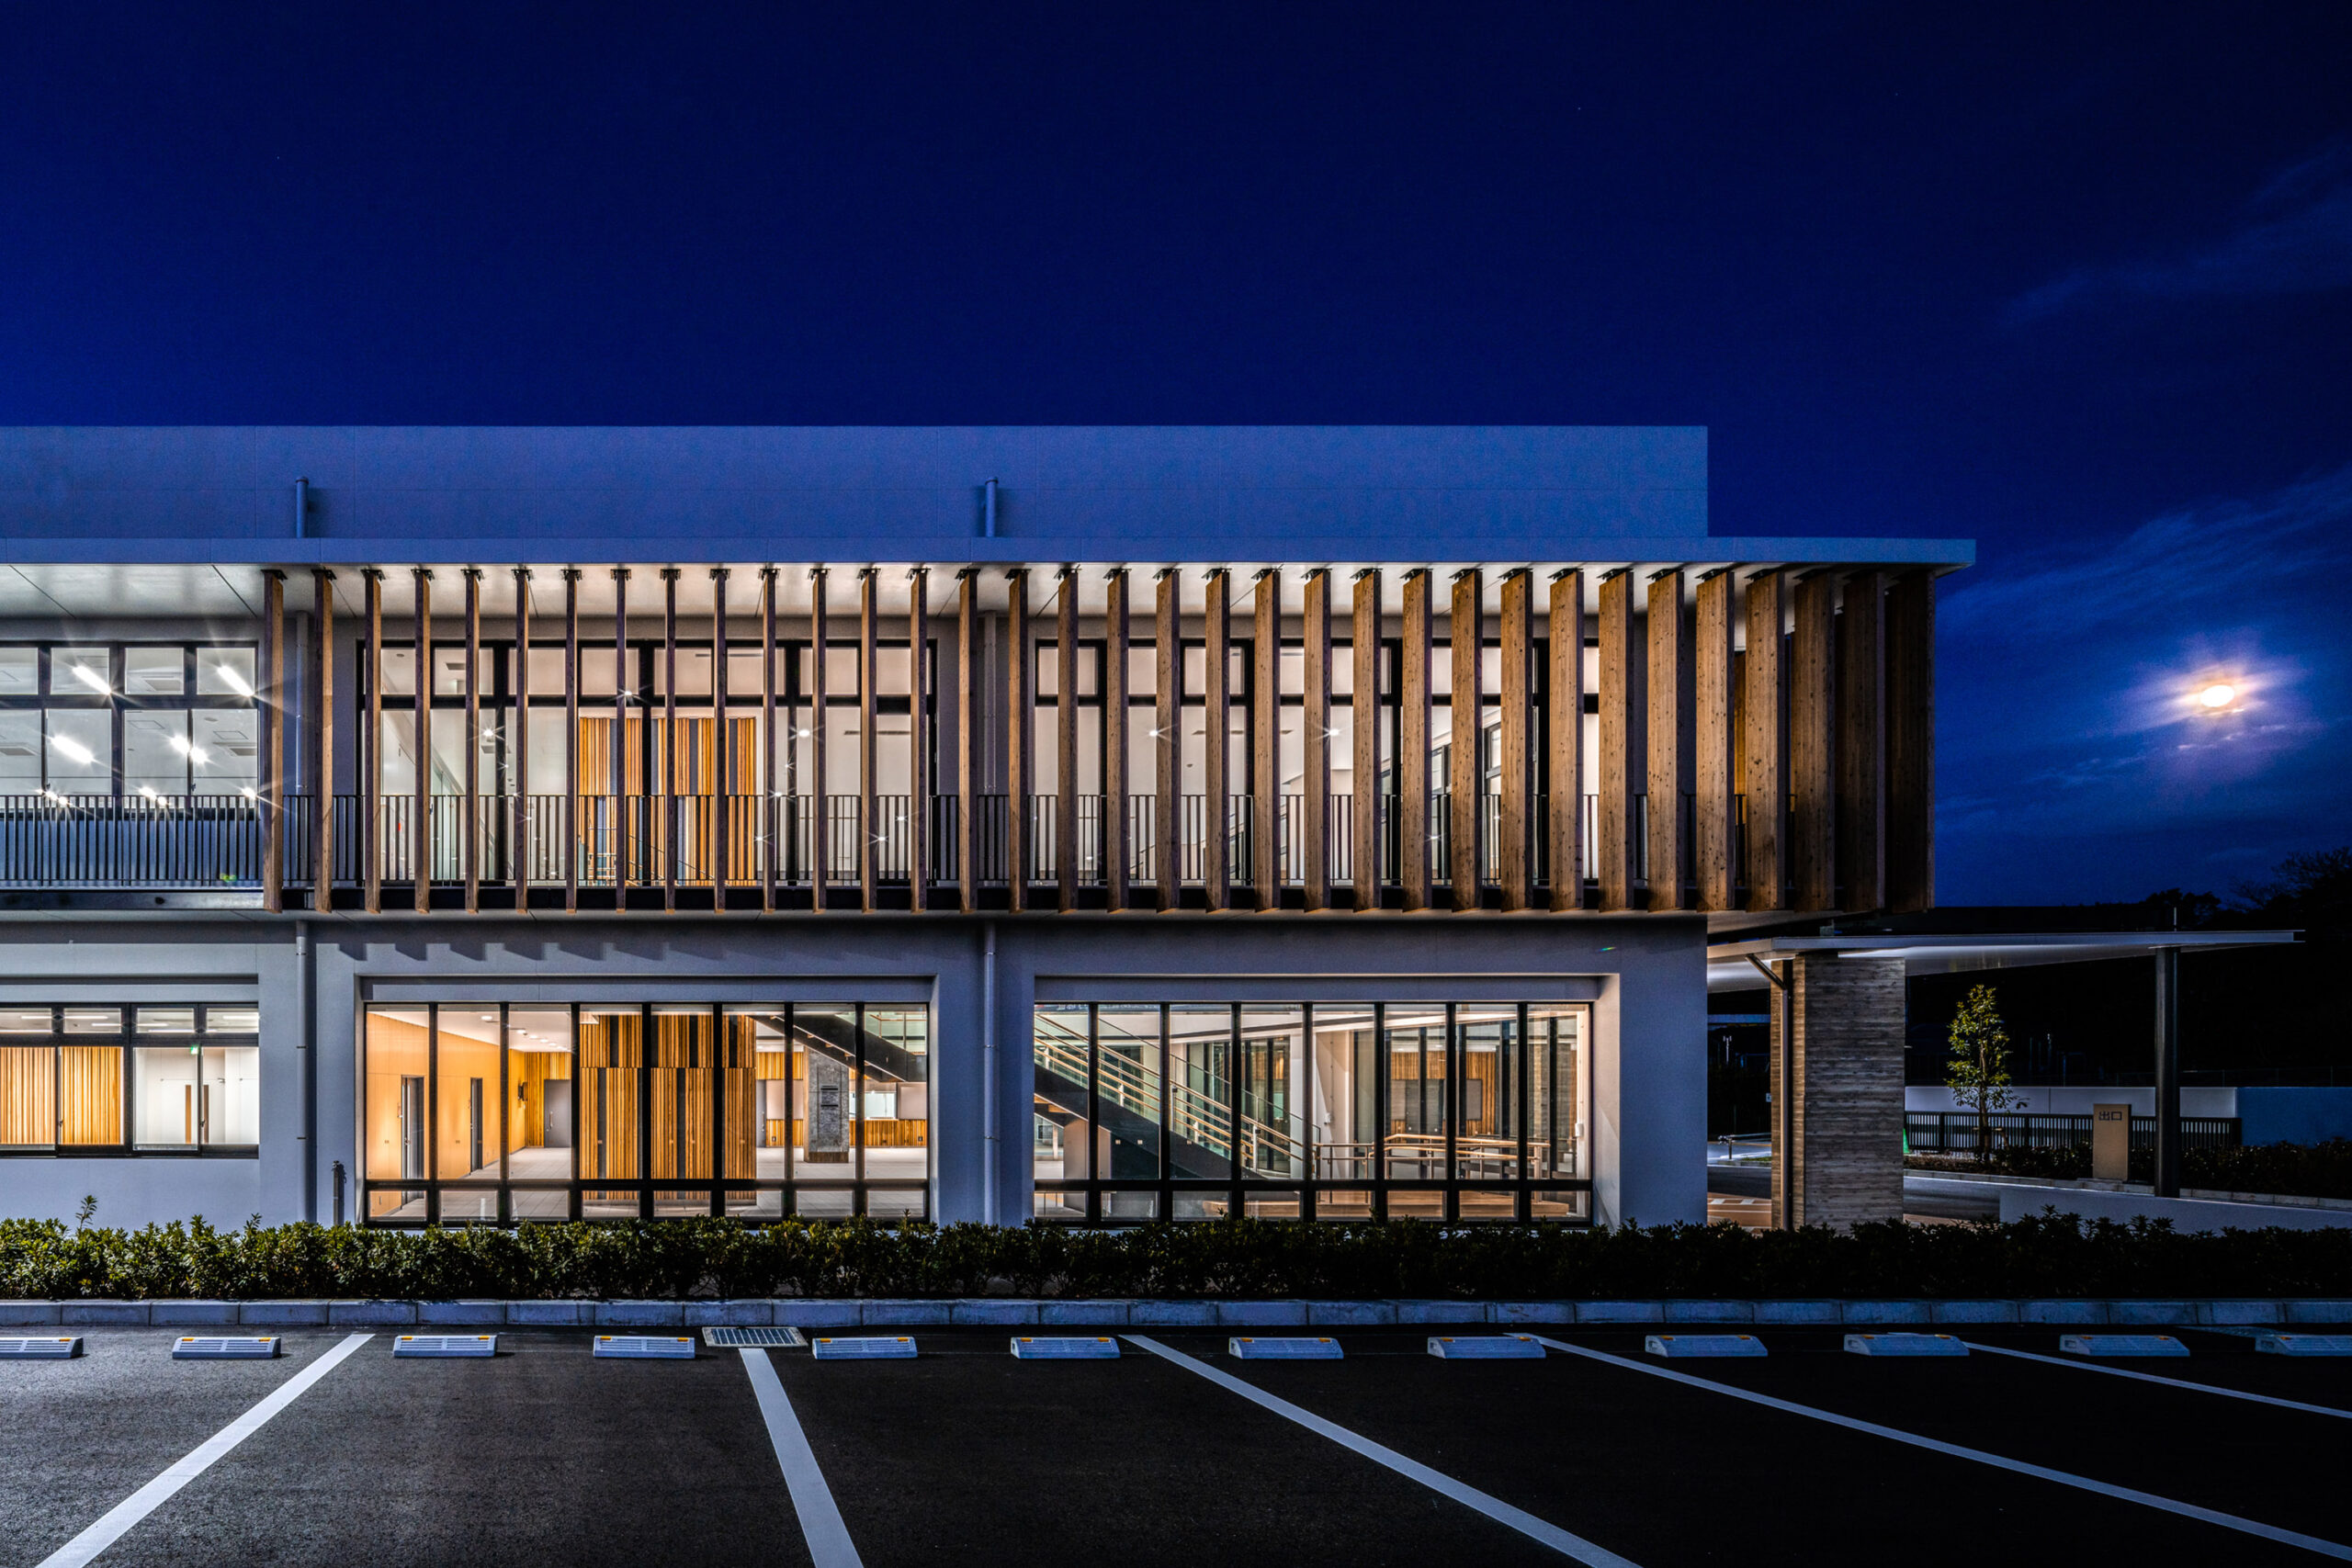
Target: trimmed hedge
<point>2051,1255</point>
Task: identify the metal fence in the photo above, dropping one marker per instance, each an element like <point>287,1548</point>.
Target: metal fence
<point>1955,1132</point>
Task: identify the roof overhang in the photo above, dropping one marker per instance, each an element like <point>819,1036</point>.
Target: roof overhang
<point>1731,965</point>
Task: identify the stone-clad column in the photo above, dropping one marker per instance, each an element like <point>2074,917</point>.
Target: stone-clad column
<point>1846,1162</point>
<point>1217,844</point>
<point>1315,735</point>
<point>1365,719</point>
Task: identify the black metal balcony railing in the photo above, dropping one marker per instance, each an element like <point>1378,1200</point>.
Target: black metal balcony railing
<point>601,841</point>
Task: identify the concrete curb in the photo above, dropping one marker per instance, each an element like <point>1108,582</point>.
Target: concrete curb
<point>1024,1312</point>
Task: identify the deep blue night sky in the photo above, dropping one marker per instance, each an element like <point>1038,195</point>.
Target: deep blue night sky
<point>2075,285</point>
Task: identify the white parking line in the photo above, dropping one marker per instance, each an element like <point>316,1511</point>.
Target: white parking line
<point>1999,1461</point>
<point>813,1500</point>
<point>118,1519</point>
<point>1527,1523</point>
<point>2082,1366</point>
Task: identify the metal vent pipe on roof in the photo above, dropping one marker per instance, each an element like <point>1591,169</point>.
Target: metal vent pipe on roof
<point>302,509</point>
<point>987,509</point>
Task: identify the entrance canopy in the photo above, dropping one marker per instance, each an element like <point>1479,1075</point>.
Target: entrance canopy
<point>1729,969</point>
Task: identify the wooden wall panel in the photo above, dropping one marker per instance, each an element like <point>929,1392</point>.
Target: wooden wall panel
<point>725,787</point>
<point>1767,782</point>
<point>1315,737</point>
<point>1715,784</point>
<point>29,1095</point>
<point>1116,786</point>
<point>1265,740</point>
<point>1911,743</point>
<point>89,1095</point>
<point>1668,675</point>
<point>574,830</point>
<point>921,737</point>
<point>1413,745</point>
<point>1365,717</point>
<point>1465,784</point>
<point>470,805</point>
<point>820,806</point>
<point>1616,769</point>
<point>1812,777</point>
<point>1861,801</point>
<point>322,779</point>
<point>518,747</point>
<point>1168,717</point>
<point>1217,713</point>
<point>969,694</point>
<point>1019,720</point>
<point>1563,759</point>
<point>1065,825</point>
<point>1514,863</point>
<point>869,671</point>
<point>420,864</point>
<point>270,765</point>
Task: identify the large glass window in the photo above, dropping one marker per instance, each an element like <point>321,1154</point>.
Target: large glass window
<point>85,1077</point>
<point>150,722</point>
<point>1459,1110</point>
<point>617,1110</point>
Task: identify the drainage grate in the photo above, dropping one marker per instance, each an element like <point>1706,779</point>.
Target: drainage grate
<point>1284,1350</point>
<point>727,1338</point>
<point>1904,1345</point>
<point>446,1344</point>
<point>190,1348</point>
<point>1485,1348</point>
<point>56,1347</point>
<point>1677,1345</point>
<point>1097,1348</point>
<point>644,1348</point>
<point>893,1348</point>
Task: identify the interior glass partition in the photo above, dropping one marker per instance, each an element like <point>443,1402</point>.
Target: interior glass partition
<point>1462,1110</point>
<point>494,1112</point>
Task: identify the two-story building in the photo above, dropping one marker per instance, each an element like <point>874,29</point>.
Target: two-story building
<point>496,824</point>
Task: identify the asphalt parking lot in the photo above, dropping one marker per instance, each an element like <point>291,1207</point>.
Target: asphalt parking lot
<point>547,1456</point>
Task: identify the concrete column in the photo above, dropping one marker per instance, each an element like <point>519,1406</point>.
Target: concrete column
<point>1265,740</point>
<point>1843,1163</point>
<point>2168,1171</point>
<point>1168,732</point>
<point>1466,634</point>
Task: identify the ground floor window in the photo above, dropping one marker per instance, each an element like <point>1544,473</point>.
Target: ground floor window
<point>1457,1110</point>
<point>77,1079</point>
<point>493,1113</point>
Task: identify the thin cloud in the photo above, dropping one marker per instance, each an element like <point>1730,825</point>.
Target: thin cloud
<point>2194,555</point>
<point>2293,237</point>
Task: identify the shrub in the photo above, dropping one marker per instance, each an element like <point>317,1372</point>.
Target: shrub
<point>2050,1256</point>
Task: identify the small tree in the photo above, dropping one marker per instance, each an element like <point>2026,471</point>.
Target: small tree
<point>1978,1071</point>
